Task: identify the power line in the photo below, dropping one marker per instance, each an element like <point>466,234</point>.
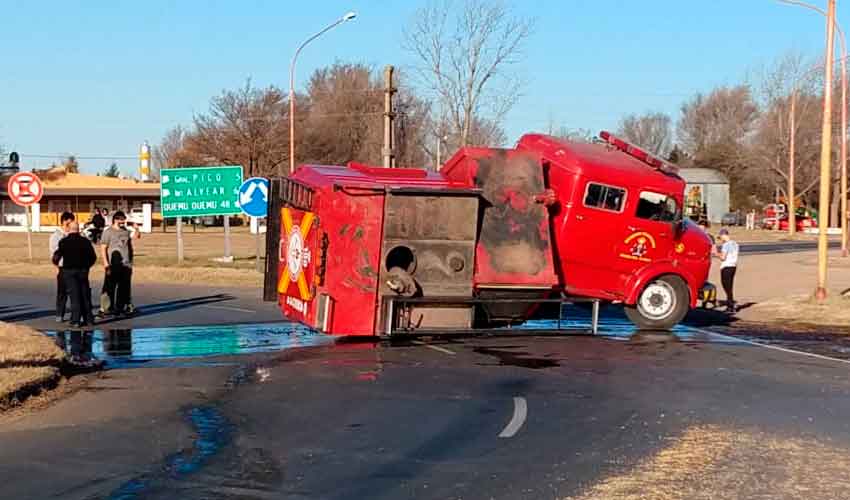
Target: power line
<point>51,157</point>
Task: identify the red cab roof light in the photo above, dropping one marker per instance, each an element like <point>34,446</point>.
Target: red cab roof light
<point>638,153</point>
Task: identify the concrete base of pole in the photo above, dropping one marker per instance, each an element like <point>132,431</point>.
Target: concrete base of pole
<point>820,294</point>
<point>845,253</point>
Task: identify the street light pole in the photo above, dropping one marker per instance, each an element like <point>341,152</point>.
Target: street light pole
<point>825,153</point>
<point>349,16</point>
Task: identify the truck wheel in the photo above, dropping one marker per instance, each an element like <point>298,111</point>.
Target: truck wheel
<point>661,305</point>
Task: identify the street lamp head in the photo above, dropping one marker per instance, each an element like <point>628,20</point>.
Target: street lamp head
<point>349,16</point>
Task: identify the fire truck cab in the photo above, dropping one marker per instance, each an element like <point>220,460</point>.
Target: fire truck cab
<point>362,250</point>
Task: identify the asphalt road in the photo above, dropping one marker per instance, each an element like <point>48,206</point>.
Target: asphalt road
<point>252,408</point>
<point>783,247</point>
<point>32,302</point>
<point>626,416</point>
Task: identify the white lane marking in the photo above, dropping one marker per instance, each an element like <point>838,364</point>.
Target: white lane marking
<point>520,412</point>
<point>769,346</point>
<point>434,347</point>
<point>229,308</point>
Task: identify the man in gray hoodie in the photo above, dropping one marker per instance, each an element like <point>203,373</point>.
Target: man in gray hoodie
<point>61,291</point>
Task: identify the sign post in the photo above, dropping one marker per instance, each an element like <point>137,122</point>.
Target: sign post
<point>200,192</point>
<point>254,202</point>
<point>180,240</point>
<point>25,190</point>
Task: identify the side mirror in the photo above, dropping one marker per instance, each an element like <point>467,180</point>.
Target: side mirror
<point>678,225</point>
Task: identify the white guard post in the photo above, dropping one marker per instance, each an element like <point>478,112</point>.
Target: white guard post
<point>147,217</point>
<point>36,217</point>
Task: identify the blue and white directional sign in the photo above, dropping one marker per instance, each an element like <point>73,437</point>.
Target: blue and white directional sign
<point>254,197</point>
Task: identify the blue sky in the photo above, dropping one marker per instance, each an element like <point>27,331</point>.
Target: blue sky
<point>98,77</point>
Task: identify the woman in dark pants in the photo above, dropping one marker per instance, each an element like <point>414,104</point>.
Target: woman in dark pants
<point>728,256</point>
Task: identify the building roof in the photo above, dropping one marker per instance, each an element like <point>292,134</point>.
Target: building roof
<point>58,181</point>
<point>702,176</point>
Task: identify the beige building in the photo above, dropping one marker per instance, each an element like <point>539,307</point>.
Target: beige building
<point>80,194</point>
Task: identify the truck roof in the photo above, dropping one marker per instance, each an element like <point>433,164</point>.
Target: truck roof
<point>601,160</point>
<point>358,175</point>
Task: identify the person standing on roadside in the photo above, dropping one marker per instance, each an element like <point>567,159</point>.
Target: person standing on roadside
<point>61,292</point>
<point>98,222</point>
<point>77,256</point>
<point>117,251</point>
<point>728,255</point>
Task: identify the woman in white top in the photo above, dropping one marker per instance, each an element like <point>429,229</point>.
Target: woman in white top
<point>728,256</point>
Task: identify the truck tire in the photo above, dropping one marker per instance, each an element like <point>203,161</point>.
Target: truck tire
<point>661,304</point>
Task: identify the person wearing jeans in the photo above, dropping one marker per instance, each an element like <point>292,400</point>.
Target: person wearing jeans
<point>728,256</point>
<point>117,251</point>
<point>77,255</point>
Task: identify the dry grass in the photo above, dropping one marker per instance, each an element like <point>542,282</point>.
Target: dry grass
<point>155,258</point>
<point>835,310</point>
<point>24,379</point>
<point>28,361</point>
<point>22,345</point>
<point>711,462</point>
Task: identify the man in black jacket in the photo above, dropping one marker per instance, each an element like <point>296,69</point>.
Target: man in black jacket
<point>77,255</point>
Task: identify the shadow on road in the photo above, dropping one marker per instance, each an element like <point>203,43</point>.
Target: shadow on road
<point>23,313</point>
<point>171,305</point>
<point>713,317</point>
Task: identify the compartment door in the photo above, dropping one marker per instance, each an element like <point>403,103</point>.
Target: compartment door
<point>296,268</point>
<point>514,247</point>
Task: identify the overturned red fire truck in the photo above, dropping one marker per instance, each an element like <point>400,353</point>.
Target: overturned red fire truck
<point>487,241</point>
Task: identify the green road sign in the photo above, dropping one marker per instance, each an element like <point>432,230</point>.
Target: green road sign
<point>196,191</point>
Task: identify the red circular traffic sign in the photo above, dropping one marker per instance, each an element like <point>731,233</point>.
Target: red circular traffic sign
<point>25,189</point>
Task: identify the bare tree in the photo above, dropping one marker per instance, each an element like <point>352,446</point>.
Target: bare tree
<point>572,134</point>
<point>245,127</point>
<point>71,165</point>
<point>172,152</point>
<point>465,58</point>
<point>770,143</point>
<point>652,131</point>
<point>344,121</point>
<point>713,129</point>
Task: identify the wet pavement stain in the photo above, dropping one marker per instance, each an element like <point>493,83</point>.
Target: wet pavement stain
<point>212,433</point>
<point>515,358</point>
<point>147,346</point>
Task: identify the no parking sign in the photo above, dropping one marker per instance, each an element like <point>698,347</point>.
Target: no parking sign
<point>25,189</point>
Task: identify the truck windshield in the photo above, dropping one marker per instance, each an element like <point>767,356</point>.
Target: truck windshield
<point>655,206</point>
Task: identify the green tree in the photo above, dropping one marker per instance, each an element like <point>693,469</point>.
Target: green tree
<point>112,171</point>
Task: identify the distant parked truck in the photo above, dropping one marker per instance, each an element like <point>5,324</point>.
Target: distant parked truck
<point>361,250</point>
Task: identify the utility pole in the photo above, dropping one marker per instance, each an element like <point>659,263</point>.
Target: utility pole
<point>389,143</point>
<point>825,153</point>
<point>792,212</point>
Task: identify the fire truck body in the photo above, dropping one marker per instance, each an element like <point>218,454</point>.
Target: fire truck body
<point>368,251</point>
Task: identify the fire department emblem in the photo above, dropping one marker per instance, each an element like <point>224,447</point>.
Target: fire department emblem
<point>295,254</point>
<point>638,246</point>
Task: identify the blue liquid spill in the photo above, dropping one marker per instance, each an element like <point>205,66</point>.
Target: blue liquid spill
<point>126,347</point>
<point>613,324</point>
<point>212,433</point>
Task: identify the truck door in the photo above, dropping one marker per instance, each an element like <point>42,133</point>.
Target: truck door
<point>648,233</point>
<point>593,234</point>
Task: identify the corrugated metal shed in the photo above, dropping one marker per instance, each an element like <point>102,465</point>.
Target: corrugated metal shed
<point>702,176</point>
<point>707,191</point>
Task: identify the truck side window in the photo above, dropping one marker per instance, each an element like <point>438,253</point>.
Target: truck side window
<point>656,206</point>
<point>604,197</point>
